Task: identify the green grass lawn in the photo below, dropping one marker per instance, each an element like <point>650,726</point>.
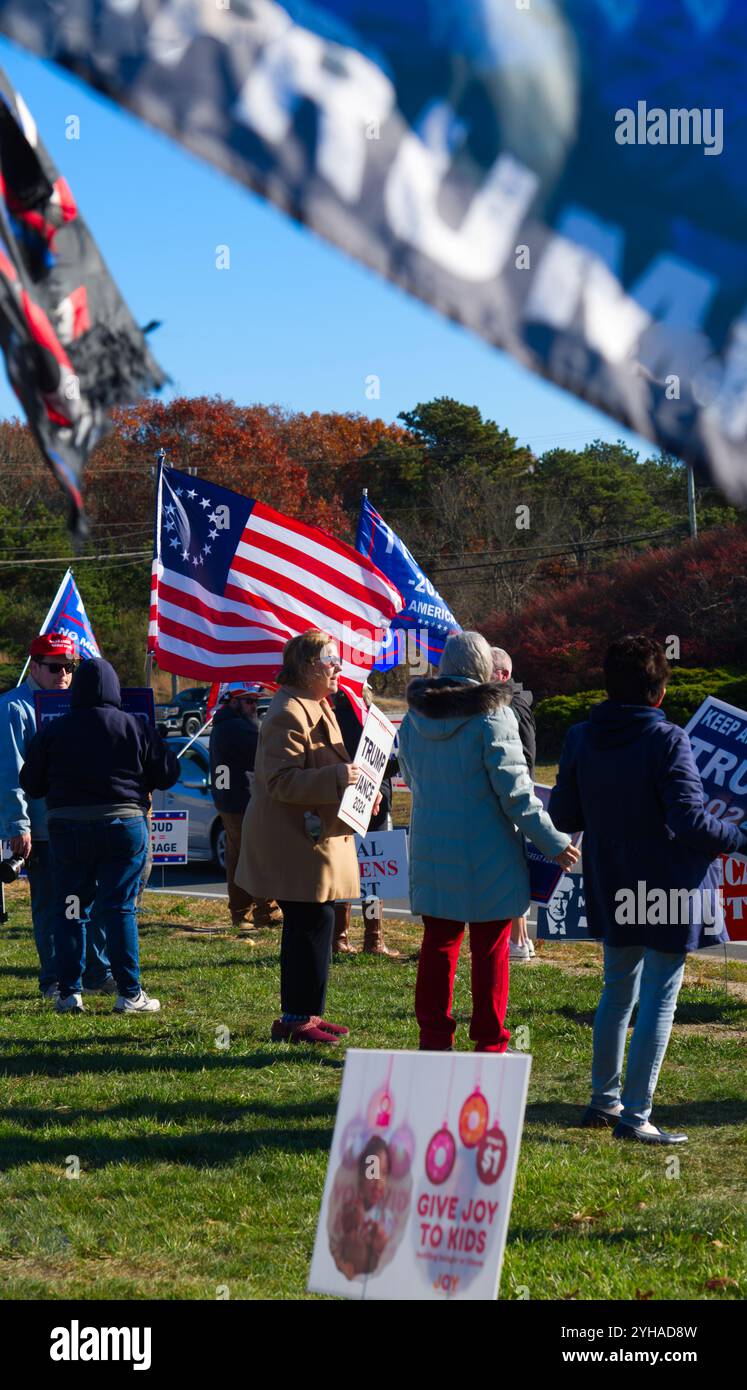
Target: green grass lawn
<point>202,1168</point>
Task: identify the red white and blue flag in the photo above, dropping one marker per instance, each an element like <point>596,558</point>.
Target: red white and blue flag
<point>68,615</point>
<point>233,580</point>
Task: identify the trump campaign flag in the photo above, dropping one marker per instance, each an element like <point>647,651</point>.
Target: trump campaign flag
<point>233,580</point>
<point>425,611</point>
<point>564,177</point>
<point>68,616</point>
<point>72,349</point>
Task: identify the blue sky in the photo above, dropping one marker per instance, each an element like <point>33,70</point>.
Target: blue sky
<point>293,320</point>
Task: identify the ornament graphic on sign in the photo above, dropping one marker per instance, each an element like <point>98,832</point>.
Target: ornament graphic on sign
<point>440,1156</point>
<point>491,1155</point>
<point>380,1109</point>
<point>473,1119</point>
<point>402,1149</point>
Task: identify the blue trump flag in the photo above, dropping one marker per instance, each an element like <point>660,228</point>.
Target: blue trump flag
<point>68,615</point>
<point>424,612</point>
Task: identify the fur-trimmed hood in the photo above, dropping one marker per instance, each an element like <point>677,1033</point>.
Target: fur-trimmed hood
<point>445,702</point>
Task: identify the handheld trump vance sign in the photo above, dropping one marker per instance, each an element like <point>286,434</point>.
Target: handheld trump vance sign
<point>170,837</point>
<point>382,862</point>
<point>718,734</point>
<point>50,704</point>
<point>421,1175</point>
<point>544,875</point>
<point>372,755</point>
<point>564,918</point>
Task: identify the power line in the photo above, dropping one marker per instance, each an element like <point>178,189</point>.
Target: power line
<point>554,553</point>
<point>105,558</point>
<point>143,534</point>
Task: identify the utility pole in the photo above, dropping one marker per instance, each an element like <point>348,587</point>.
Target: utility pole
<point>691,512</point>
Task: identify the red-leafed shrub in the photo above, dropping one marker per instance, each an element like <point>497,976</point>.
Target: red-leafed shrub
<point>695,592</point>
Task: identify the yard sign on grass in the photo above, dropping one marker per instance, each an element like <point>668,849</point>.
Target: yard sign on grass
<point>421,1175</point>
<point>169,835</point>
<point>382,863</point>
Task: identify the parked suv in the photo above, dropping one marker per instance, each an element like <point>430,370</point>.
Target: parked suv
<point>185,714</point>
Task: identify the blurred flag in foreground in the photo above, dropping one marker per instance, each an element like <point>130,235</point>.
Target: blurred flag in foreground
<point>71,346</point>
<point>564,177</point>
<point>234,580</point>
<point>425,611</point>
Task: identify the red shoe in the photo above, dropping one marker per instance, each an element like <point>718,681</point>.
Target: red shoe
<point>338,1030</point>
<point>309,1032</point>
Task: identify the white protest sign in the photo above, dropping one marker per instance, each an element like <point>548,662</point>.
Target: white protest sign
<point>169,837</point>
<point>372,755</point>
<point>421,1175</point>
<point>382,861</point>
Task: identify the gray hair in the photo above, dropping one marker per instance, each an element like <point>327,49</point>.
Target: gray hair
<point>501,659</point>
<point>467,654</point>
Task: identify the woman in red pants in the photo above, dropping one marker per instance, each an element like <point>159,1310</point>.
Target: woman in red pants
<point>472,804</point>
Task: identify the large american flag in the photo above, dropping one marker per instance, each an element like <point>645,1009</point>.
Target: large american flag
<point>233,580</point>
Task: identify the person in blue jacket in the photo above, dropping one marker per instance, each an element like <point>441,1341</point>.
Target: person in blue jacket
<point>96,767</point>
<point>472,804</point>
<point>23,820</point>
<point>628,779</point>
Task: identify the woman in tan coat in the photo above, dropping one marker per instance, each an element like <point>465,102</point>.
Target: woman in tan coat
<point>293,846</point>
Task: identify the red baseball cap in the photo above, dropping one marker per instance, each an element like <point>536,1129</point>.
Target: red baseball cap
<point>53,644</point>
<point>247,692</point>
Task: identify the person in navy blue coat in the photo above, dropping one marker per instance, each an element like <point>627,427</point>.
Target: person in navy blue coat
<point>96,767</point>
<point>628,779</point>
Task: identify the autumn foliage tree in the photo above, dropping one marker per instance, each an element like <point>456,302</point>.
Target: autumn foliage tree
<point>695,592</point>
<point>233,446</point>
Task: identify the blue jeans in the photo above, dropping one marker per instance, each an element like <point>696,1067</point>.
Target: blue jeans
<point>97,968</point>
<point>652,979</point>
<point>97,862</point>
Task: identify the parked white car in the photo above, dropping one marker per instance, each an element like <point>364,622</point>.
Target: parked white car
<point>207,838</point>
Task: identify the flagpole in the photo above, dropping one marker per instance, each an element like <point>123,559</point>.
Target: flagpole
<point>161,458</point>
<point>195,737</point>
<point>45,624</point>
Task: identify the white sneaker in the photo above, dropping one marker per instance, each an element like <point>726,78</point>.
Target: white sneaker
<point>141,1005</point>
<point>530,948</point>
<point>517,952</point>
<point>51,994</point>
<point>73,1004</point>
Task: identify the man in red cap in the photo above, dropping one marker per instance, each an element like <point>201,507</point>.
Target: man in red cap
<point>23,819</point>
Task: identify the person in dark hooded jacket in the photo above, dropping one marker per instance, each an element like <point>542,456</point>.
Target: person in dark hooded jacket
<point>233,749</point>
<point>628,779</point>
<point>96,767</point>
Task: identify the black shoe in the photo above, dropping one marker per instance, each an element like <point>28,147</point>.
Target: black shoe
<point>623,1131</point>
<point>599,1119</point>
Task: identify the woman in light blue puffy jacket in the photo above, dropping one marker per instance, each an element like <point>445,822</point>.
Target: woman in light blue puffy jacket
<point>472,803</point>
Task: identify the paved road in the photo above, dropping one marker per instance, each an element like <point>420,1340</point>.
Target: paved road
<point>200,881</point>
